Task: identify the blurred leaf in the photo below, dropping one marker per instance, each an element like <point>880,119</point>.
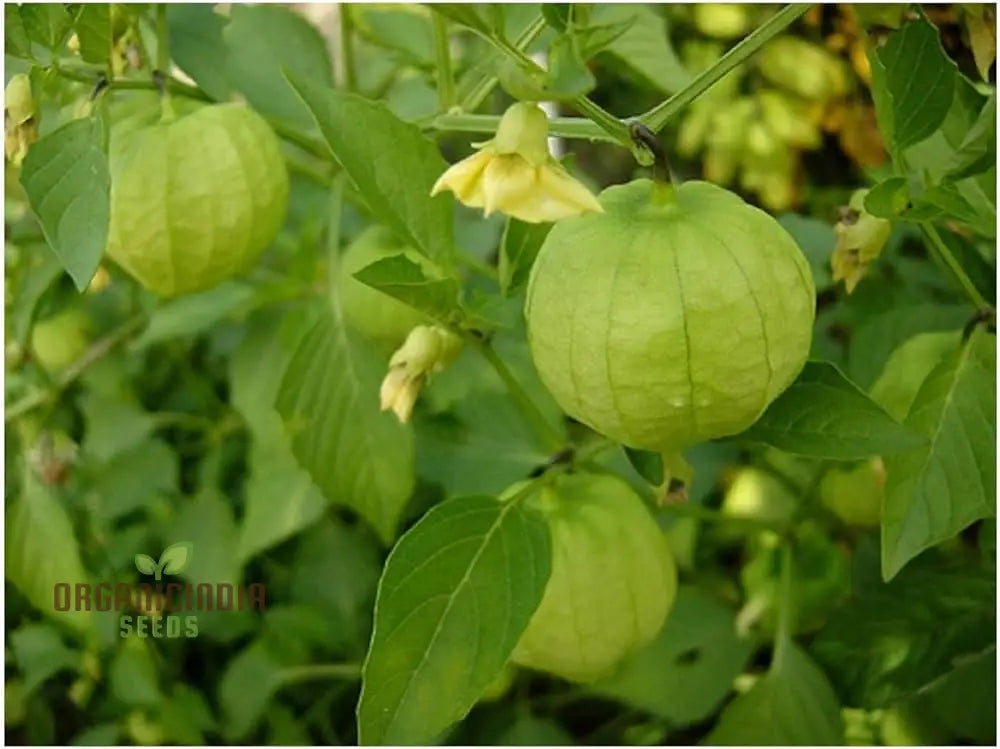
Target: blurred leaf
<point>400,277</point>
<point>198,48</point>
<point>978,151</point>
<point>42,550</point>
<point>825,415</point>
<point>936,490</point>
<point>185,716</point>
<point>647,464</point>
<point>103,734</point>
<point>965,699</point>
<point>792,704</point>
<point>132,479</point>
<point>404,30</point>
<point>874,340</point>
<point>456,594</point>
<point>93,31</point>
<point>66,178</point>
<point>264,41</point>
<point>893,640</point>
<point>375,147</point>
<point>529,730</point>
<point>196,313</point>
<point>686,672</point>
<point>474,16</point>
<point>132,675</point>
<point>481,446</point>
<point>16,40</point>
<point>40,654</point>
<point>43,268</point>
<point>645,47</point>
<point>569,76</point>
<point>329,401</point>
<point>519,247</point>
<point>206,523</point>
<point>816,239</point>
<point>595,39</point>
<point>913,81</point>
<point>45,23</point>
<point>250,680</point>
<point>557,15</point>
<point>336,572</point>
<point>285,728</point>
<point>115,424</point>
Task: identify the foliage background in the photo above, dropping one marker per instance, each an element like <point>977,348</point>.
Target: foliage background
<point>169,433</point>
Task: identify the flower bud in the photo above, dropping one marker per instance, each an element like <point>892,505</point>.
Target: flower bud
<point>427,350</point>
<point>860,239</point>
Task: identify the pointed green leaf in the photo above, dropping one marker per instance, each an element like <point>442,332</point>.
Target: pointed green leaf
<point>376,149</point>
<point>457,592</point>
<point>792,704</point>
<point>93,30</point>
<point>45,23</point>
<point>825,415</point>
<point>936,490</point>
<point>66,178</point>
<point>645,46</point>
<point>329,401</point>
<point>518,249</point>
<point>145,564</point>
<point>16,41</point>
<point>176,557</point>
<point>400,277</point>
<point>42,551</point>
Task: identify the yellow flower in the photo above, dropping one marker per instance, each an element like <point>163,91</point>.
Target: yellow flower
<point>860,239</point>
<point>20,121</point>
<point>515,174</point>
<point>427,350</point>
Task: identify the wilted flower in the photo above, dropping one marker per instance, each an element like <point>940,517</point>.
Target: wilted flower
<point>427,350</point>
<point>20,122</point>
<point>515,174</point>
<point>860,239</point>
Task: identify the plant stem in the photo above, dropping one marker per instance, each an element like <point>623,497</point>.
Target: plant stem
<point>162,39</point>
<point>479,91</point>
<point>445,79</point>
<point>786,607</point>
<point>333,233</point>
<point>346,27</point>
<point>938,246</point>
<point>560,127</point>
<point>698,512</point>
<point>99,349</point>
<point>657,117</point>
<point>548,434</point>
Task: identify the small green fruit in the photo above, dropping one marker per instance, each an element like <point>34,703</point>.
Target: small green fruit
<point>367,310</point>
<point>674,317</point>
<point>60,340</point>
<point>613,579</point>
<point>195,197</point>
<point>855,494</point>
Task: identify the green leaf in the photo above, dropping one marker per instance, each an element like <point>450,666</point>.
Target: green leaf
<point>45,23</point>
<point>145,564</point>
<point>557,15</point>
<point>889,198</point>
<point>792,704</point>
<point>93,30</point>
<point>115,424</point>
<point>686,672</point>
<point>569,76</point>
<point>262,41</point>
<point>936,490</point>
<point>457,592</point>
<point>185,716</point>
<point>518,249</point>
<point>132,675</point>
<point>400,277</point>
<point>402,31</point>
<point>16,42</point>
<point>280,498</point>
<point>42,550</point>
<point>40,654</point>
<point>66,178</point>
<point>914,80</point>
<point>816,239</point>
<point>176,557</point>
<point>198,48</point>
<point>196,313</point>
<point>978,151</point>
<point>207,520</point>
<point>473,17</point>
<point>894,640</point>
<point>375,148</point>
<point>329,402</point>
<point>146,470</point>
<point>645,47</point>
<point>250,680</point>
<point>647,464</point>
<point>825,415</point>
<point>43,268</point>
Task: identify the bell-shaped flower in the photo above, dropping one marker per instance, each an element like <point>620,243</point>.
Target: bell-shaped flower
<point>515,174</point>
<point>860,239</point>
<point>426,350</point>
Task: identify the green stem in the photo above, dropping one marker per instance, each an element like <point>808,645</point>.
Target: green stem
<point>479,91</point>
<point>162,39</point>
<point>550,436</point>
<point>786,607</point>
<point>560,127</point>
<point>445,78</point>
<point>657,117</point>
<point>333,233</point>
<point>97,350</point>
<point>938,246</point>
<point>698,512</point>
<point>350,80</point>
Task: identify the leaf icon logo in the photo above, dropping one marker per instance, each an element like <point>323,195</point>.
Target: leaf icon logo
<point>173,561</point>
